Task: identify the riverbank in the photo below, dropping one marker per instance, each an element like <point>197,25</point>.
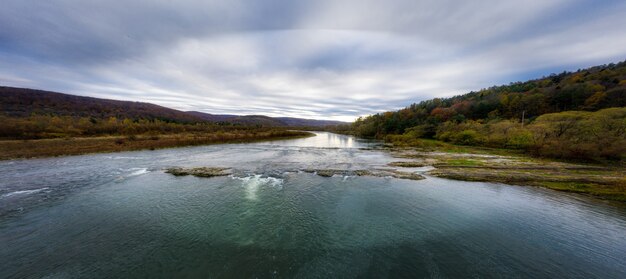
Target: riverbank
<point>15,149</point>
<point>605,181</point>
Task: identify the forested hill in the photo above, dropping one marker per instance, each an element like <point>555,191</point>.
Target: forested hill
<point>574,115</point>
<point>23,102</point>
<point>584,90</point>
<point>265,120</point>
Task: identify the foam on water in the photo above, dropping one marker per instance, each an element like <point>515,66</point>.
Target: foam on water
<point>346,177</point>
<point>24,192</point>
<point>121,157</point>
<point>138,171</point>
<point>252,184</point>
<point>123,174</point>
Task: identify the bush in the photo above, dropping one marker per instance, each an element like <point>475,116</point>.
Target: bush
<point>520,140</point>
<point>445,136</point>
<point>581,135</point>
<point>467,137</point>
<point>421,131</point>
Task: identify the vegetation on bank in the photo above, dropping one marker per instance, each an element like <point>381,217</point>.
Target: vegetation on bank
<point>52,126</point>
<point>10,149</point>
<point>52,135</point>
<point>578,135</point>
<point>579,115</point>
<point>36,123</point>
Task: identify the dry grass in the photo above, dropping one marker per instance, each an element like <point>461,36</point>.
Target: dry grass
<point>11,149</point>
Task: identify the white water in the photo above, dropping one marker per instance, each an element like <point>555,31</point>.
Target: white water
<point>253,182</point>
<point>24,192</point>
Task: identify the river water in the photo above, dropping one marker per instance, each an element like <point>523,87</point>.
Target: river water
<point>119,215</point>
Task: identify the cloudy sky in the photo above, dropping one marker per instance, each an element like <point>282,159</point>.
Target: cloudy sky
<point>324,59</point>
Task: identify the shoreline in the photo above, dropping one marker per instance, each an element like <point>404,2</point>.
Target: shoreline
<point>43,148</point>
<point>606,182</point>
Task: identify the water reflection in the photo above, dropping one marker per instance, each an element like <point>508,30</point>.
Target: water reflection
<point>323,140</point>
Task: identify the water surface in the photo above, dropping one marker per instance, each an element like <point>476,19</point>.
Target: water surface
<point>119,215</point>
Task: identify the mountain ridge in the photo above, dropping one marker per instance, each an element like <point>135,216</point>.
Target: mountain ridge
<point>23,102</point>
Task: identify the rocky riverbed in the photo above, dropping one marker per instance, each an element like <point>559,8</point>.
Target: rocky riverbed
<point>604,181</point>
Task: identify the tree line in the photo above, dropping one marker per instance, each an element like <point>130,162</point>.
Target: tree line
<point>54,126</point>
<point>564,115</point>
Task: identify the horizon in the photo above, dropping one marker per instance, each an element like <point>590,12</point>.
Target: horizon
<point>323,60</point>
<point>345,121</point>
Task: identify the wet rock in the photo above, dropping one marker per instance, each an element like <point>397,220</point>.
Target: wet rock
<point>199,172</point>
<point>374,173</point>
<point>362,172</point>
<point>327,172</point>
<point>406,175</point>
<point>407,164</point>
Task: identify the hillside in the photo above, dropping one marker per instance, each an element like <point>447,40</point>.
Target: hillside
<point>290,121</point>
<point>23,102</point>
<point>265,120</point>
<point>585,90</point>
<point>566,115</point>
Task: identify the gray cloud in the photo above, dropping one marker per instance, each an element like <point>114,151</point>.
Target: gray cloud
<point>319,59</point>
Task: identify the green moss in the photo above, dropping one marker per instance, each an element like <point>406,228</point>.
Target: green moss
<point>406,164</point>
<point>464,162</point>
<point>409,141</point>
<point>613,192</point>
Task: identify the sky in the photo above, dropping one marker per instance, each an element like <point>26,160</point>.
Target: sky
<point>322,59</point>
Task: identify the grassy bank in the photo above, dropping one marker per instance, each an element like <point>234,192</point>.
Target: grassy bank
<point>606,181</point>
<point>12,149</point>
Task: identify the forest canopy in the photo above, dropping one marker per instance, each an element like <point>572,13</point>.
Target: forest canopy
<point>578,115</point>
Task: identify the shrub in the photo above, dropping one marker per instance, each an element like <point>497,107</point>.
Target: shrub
<point>520,140</point>
<point>445,136</point>
<point>467,137</point>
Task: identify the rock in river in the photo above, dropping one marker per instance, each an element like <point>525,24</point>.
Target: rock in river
<point>199,172</point>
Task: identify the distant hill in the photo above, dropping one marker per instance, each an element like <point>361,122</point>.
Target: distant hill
<point>23,102</point>
<point>265,120</point>
<point>212,117</point>
<point>290,121</point>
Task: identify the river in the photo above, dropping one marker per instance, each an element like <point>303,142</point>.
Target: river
<point>119,215</point>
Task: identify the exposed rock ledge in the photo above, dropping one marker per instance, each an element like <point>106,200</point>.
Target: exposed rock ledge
<point>199,172</point>
<point>376,173</point>
<point>215,171</point>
